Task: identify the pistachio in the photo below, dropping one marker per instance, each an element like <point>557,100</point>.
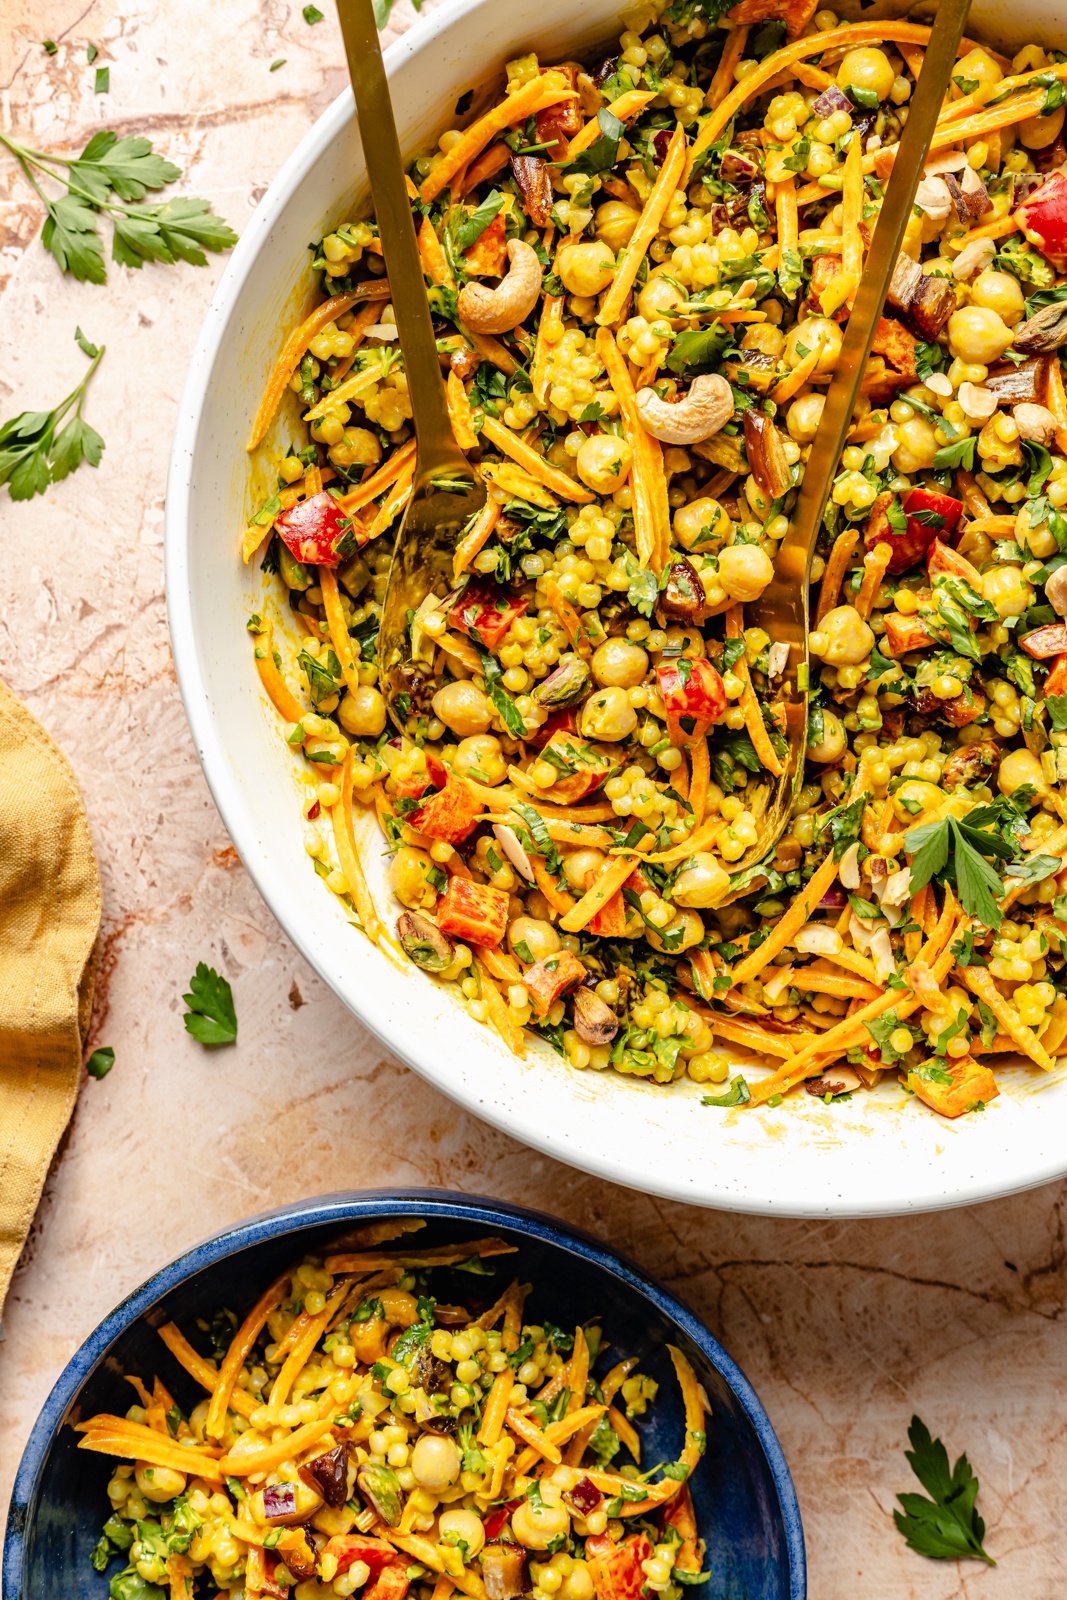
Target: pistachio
<point>594,1020</point>
<point>1046,330</point>
<point>564,686</point>
<point>427,946</point>
<point>380,1488</point>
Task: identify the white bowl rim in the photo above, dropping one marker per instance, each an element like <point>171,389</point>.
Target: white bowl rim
<point>981,1182</point>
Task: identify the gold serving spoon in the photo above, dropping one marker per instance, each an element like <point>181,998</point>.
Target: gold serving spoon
<point>782,609</point>
<point>446,493</point>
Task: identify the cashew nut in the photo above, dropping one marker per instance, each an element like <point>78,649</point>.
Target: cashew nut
<point>1056,591</point>
<point>1034,422</point>
<point>499,310</point>
<point>701,413</point>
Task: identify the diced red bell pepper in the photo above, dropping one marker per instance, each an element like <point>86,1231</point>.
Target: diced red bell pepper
<point>565,721</point>
<point>473,911</point>
<point>313,529</point>
<point>548,979</point>
<point>487,256</point>
<point>587,768</point>
<point>392,1583</point>
<point>616,1568</point>
<point>1043,219</point>
<point>691,687</point>
<point>1044,643</point>
<point>489,615</point>
<point>450,814</point>
<point>943,561</point>
<point>495,1519</point>
<point>1056,682</point>
<point>352,1547</point>
<point>433,776</point>
<point>911,545</point>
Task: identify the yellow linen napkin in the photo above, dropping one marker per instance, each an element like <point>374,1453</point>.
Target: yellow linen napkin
<point>49,922</point>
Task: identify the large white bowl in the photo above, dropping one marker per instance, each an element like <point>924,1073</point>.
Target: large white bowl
<point>882,1153</point>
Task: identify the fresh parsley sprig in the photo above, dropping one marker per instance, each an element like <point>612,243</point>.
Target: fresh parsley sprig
<point>211,1017</point>
<point>957,851</point>
<point>35,451</point>
<point>946,1527</point>
<point>171,230</point>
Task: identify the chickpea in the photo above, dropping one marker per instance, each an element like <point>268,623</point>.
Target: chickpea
<point>435,1461</point>
<point>834,742</point>
<point>804,417</point>
<point>580,865</point>
<point>1007,590</point>
<point>362,712</point>
<point>400,1308</point>
<point>619,663</point>
<point>1018,770</point>
<point>357,447</point>
<point>409,878</point>
<point>701,881</point>
<point>917,445</point>
<point>577,1583</point>
<point>481,758</point>
<point>679,641</point>
<point>977,334</point>
<point>814,333</point>
<point>701,525</point>
<point>1037,133</point>
<point>999,292</point>
<point>745,571</point>
<point>158,1483</point>
<point>842,638</point>
<point>604,462</point>
<point>463,707</point>
<point>614,223</point>
<point>977,64</point>
<point>659,297</point>
<point>537,1526</point>
<point>586,268</point>
<point>539,937</point>
<point>867,68</point>
<point>686,930</point>
<point>464,1527</point>
<point>607,714</point>
<point>914,797</point>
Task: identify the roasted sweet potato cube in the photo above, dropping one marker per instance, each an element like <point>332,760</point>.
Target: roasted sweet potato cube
<point>473,911</point>
<point>943,560</point>
<point>796,14</point>
<point>548,979</point>
<point>610,921</point>
<point>487,256</point>
<point>450,814</point>
<point>972,1085</point>
<point>616,1568</point>
<point>1044,643</point>
<point>905,633</point>
<point>392,1583</point>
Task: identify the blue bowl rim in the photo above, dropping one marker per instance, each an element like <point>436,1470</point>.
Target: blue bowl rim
<point>353,1205</point>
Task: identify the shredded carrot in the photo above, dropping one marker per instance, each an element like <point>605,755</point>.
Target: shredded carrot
<point>203,1371</point>
<point>247,1462</point>
<point>757,728</point>
<point>949,134</point>
<point>617,1377</point>
<point>372,487</point>
<point>624,107</point>
<point>547,89</point>
<point>154,1449</point>
<point>296,1358</point>
<point>496,1407</point>
<point>344,391</point>
<point>812,77</point>
<point>785,210</point>
<point>492,350</point>
<point>646,509</point>
<point>559,1432</point>
<point>432,255</point>
<point>479,536</point>
<point>240,1348</point>
<point>499,1015</point>
<point>612,876</point>
<point>786,929</point>
<point>913,59</point>
<point>668,180</point>
<point>295,348</point>
<point>558,898</point>
<point>453,644</point>
<point>435,1255</point>
<point>279,693</point>
<point>340,637</point>
<point>981,984</point>
<point>502,966</point>
<point>852,216</point>
<point>535,464</point>
<point>459,413</point>
<point>348,856</point>
<point>393,504</point>
<point>568,616</point>
<point>1056,400</point>
<point>875,565</point>
<point>836,566</point>
<point>722,82</point>
<point>490,162</point>
<point>809,981</point>
<point>699,783</point>
<point>795,380</point>
<point>531,1434</point>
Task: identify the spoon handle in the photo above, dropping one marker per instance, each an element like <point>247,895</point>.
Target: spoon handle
<point>381,151</point>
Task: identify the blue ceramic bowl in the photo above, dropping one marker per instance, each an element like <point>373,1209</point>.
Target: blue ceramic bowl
<point>746,1504</point>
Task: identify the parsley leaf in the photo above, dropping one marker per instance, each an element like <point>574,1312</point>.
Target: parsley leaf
<point>959,850</point>
<point>100,1062</point>
<point>211,1018</point>
<point>312,14</point>
<point>603,153</point>
<point>946,1527</point>
<point>738,1094</point>
<point>34,454</point>
<point>1056,706</point>
<point>510,715</point>
<point>471,228</point>
<point>958,454</point>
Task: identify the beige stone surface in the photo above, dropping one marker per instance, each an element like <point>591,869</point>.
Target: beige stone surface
<point>844,1328</point>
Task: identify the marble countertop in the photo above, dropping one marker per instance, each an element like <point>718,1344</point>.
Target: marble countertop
<point>845,1329</point>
